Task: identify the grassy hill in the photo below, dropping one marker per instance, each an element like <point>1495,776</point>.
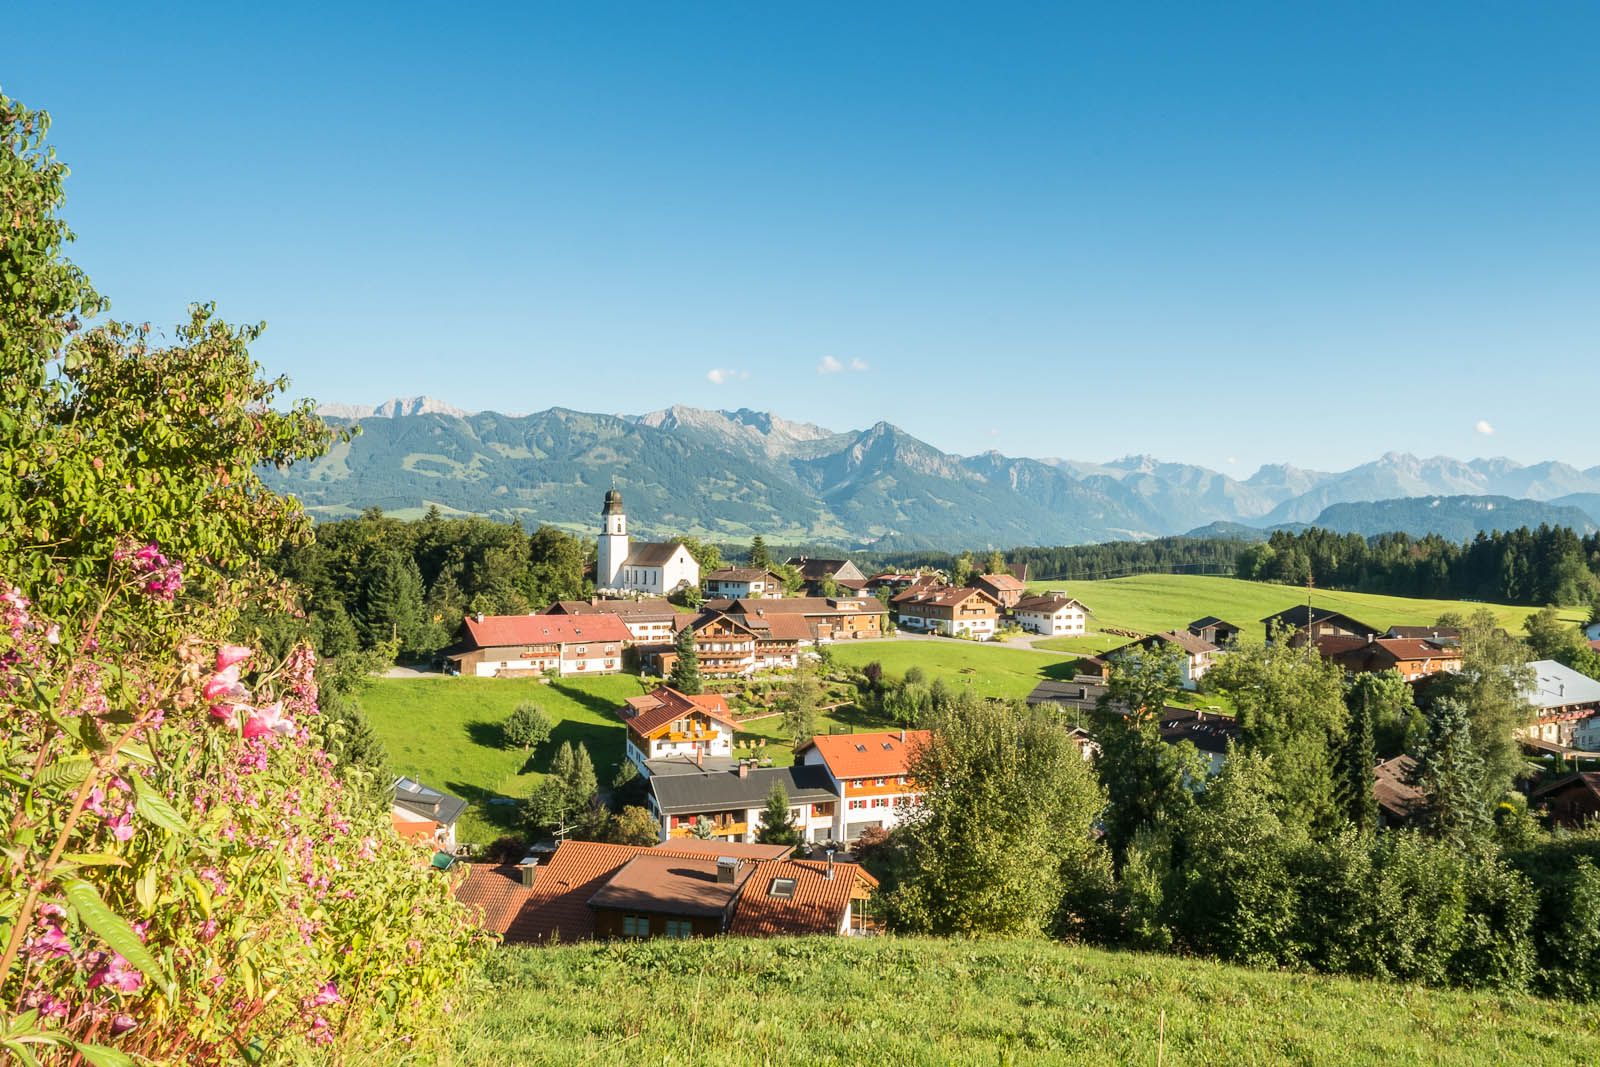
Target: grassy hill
<point>914,1002</point>
<point>1151,602</point>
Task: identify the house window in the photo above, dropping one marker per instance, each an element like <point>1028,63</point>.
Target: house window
<point>680,928</point>
<point>636,926</point>
<point>781,888</point>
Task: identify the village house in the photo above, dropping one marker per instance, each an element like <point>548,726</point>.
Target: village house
<point>1439,635</point>
<point>665,724</point>
<point>829,619</point>
<point>1198,654</point>
<point>737,646</point>
<point>895,581</point>
<point>649,621</point>
<point>1571,801</point>
<point>1400,802</point>
<point>869,774</point>
<point>1219,632</point>
<point>1006,589</point>
<point>517,646</point>
<point>1297,622</point>
<point>1080,695</point>
<point>1561,699</point>
<point>727,803</point>
<point>815,574</point>
<point>1413,658</point>
<point>1054,614</point>
<point>588,890</point>
<point>963,612</point>
<point>1209,732</point>
<point>425,815</point>
<point>649,569</point>
<point>742,583</point>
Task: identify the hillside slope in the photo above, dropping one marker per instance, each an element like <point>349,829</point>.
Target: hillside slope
<point>924,1002</point>
<point>1458,518</point>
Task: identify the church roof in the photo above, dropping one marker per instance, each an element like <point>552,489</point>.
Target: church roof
<point>651,553</point>
<point>613,504</point>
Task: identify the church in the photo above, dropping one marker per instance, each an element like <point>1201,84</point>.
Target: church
<point>645,568</point>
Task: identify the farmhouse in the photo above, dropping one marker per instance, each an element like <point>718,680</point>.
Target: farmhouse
<point>727,804</point>
<point>1413,658</point>
<point>514,646</point>
<point>817,573</point>
<point>869,774</point>
<point>964,612</point>
<point>1219,632</point>
<point>665,724</point>
<point>1400,802</point>
<point>1208,732</point>
<point>1083,693</point>
<point>1561,699</point>
<point>1054,614</point>
<point>1570,801</point>
<point>742,583</point>
<point>735,646</point>
<point>588,890</point>
<point>650,569</point>
<point>1198,653</point>
<point>1003,587</point>
<point>828,618</point>
<point>1320,622</point>
<point>649,621</point>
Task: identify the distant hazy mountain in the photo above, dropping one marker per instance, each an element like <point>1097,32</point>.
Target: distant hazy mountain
<point>731,474</point>
<point>1456,517</point>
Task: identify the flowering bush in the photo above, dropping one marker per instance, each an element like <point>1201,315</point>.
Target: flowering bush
<point>185,876</point>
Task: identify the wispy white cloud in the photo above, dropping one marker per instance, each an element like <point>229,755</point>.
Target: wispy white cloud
<point>1482,426</point>
<point>834,365</point>
<point>723,375</point>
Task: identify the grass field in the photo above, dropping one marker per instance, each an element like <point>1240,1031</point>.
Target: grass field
<point>921,1002</point>
<point>447,732</point>
<point>989,670</point>
<point>1152,602</point>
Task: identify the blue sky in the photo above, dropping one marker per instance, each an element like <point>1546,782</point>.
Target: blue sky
<point>1223,234</point>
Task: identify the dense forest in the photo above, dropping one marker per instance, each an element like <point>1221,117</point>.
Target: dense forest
<point>1550,565</point>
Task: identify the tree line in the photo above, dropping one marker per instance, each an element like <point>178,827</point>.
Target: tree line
<point>1279,859</point>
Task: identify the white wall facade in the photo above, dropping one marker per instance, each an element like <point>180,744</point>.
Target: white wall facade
<point>1067,622</point>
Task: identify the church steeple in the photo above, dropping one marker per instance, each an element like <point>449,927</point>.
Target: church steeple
<point>613,547</point>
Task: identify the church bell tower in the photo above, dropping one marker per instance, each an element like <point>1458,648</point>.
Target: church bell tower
<point>613,551</point>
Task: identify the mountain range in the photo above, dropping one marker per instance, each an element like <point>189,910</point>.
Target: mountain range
<point>728,475</point>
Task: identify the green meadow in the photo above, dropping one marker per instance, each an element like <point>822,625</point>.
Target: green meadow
<point>916,1002</point>
<point>1152,602</point>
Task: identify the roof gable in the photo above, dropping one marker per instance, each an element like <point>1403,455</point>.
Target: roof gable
<point>499,631</point>
<point>658,709</point>
<point>875,755</point>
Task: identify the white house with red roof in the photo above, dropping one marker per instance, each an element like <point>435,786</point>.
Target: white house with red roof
<point>515,646</point>
<point>870,774</point>
<point>666,724</point>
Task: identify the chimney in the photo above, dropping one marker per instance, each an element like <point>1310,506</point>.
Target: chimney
<point>902,737</point>
<point>479,616</point>
<point>727,868</point>
<point>527,869</point>
<point>828,874</point>
<point>744,768</point>
<point>699,756</point>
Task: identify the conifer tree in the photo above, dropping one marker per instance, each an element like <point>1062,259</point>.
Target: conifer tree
<point>1357,758</point>
<point>1450,772</point>
<point>685,677</point>
<point>759,556</point>
<point>777,825</point>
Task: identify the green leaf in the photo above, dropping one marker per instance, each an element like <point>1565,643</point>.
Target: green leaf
<point>112,929</point>
<point>93,859</point>
<point>155,808</point>
<point>100,1056</point>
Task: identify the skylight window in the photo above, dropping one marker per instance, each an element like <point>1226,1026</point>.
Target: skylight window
<point>781,888</point>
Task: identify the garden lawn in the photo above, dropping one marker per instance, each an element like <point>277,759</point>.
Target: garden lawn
<point>920,1003</point>
<point>446,732</point>
<point>991,670</point>
<point>1151,602</point>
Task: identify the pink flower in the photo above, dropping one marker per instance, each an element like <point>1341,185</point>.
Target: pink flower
<point>229,655</point>
<point>267,720</point>
<point>224,683</point>
<point>328,994</point>
<point>121,1023</point>
<point>49,943</point>
<point>52,633</point>
<point>119,974</point>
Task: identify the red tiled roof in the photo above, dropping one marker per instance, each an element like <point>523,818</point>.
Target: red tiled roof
<point>495,893</point>
<point>737,849</point>
<point>801,605</point>
<point>1002,581</point>
<point>874,755</point>
<point>663,704</point>
<point>817,905</point>
<point>499,631</point>
<point>558,907</point>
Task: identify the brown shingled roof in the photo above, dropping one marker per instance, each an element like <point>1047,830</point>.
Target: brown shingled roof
<point>817,905</point>
<point>495,893</point>
<point>663,704</point>
<point>670,883</point>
